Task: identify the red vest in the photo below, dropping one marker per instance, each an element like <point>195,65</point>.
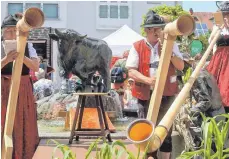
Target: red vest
<point>141,90</point>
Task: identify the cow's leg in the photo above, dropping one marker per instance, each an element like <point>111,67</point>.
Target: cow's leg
<point>105,73</point>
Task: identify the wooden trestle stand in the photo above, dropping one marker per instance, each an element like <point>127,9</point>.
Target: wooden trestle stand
<point>104,132</point>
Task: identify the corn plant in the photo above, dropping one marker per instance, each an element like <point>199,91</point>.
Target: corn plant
<point>114,150</point>
<point>212,132</point>
<point>107,151</point>
<point>66,151</point>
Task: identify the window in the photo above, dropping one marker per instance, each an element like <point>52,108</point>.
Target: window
<point>201,28</point>
<point>103,11</point>
<point>112,15</point>
<point>29,5</point>
<point>15,8</point>
<point>113,11</point>
<point>50,10</point>
<point>124,10</point>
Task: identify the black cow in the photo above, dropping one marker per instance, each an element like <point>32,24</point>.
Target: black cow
<point>83,56</point>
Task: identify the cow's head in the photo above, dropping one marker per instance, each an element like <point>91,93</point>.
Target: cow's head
<point>67,40</point>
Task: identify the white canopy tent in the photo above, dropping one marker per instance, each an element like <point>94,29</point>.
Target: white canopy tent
<point>122,40</point>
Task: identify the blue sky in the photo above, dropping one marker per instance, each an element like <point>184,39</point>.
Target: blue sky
<point>200,6</point>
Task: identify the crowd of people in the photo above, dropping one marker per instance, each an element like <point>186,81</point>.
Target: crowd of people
<point>133,77</point>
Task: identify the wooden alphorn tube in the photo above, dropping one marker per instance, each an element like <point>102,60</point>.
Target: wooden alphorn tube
<point>32,18</point>
<point>156,137</point>
<point>174,109</point>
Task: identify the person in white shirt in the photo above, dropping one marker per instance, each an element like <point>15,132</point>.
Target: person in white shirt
<point>142,64</point>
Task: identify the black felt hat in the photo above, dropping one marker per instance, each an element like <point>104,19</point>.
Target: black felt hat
<point>153,20</point>
<point>11,20</point>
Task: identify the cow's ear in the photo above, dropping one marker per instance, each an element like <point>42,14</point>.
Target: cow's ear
<point>54,36</point>
<point>78,41</point>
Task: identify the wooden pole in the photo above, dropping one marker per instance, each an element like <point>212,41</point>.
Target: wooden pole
<point>32,18</point>
<point>170,116</point>
<point>184,25</point>
<point>162,72</point>
<point>7,147</point>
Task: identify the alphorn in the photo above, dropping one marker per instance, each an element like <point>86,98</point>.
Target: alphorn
<point>153,140</point>
<point>32,18</point>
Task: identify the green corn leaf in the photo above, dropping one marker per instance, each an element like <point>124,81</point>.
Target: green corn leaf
<point>91,147</point>
<point>57,147</point>
<point>219,142</point>
<point>225,130</point>
<point>121,145</point>
<point>215,155</point>
<point>118,143</point>
<point>130,155</point>
<point>138,152</point>
<point>120,152</point>
<point>67,154</point>
<point>207,139</point>
<point>102,151</point>
<point>189,155</point>
<point>226,150</point>
<point>106,152</point>
<point>226,156</point>
<point>222,115</point>
<point>146,149</point>
<point>115,151</point>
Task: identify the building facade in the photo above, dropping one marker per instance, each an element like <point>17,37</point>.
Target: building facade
<point>97,19</point>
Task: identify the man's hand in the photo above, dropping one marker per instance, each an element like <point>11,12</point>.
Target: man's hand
<point>11,56</point>
<point>152,81</point>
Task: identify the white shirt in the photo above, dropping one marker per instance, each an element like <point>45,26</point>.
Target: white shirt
<point>32,51</point>
<point>224,31</point>
<point>133,58</point>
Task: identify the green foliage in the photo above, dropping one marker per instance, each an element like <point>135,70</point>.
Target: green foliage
<point>187,74</point>
<point>114,150</point>
<point>204,40</point>
<point>212,131</point>
<point>66,151</point>
<point>173,11</point>
<point>107,151</point>
<point>186,41</point>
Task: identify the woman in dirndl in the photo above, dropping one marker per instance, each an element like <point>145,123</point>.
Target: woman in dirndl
<point>25,131</point>
<point>219,63</point>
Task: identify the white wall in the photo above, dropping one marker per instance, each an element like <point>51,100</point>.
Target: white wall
<point>140,8</point>
<point>56,23</point>
<point>81,15</point>
<point>3,10</point>
<point>82,18</point>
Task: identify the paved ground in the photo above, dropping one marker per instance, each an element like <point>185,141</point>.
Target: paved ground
<point>44,151</point>
<point>54,130</point>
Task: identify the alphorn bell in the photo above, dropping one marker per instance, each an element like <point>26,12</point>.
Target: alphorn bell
<point>184,25</point>
<point>32,18</point>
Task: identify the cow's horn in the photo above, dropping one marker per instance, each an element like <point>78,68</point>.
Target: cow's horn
<point>83,36</point>
<point>58,33</point>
